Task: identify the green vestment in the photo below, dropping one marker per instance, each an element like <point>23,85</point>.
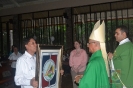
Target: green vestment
<point>95,75</point>
<point>123,64</point>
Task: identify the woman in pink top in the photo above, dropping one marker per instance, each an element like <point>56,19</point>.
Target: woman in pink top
<point>78,60</point>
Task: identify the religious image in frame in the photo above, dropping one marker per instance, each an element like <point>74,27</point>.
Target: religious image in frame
<point>48,66</point>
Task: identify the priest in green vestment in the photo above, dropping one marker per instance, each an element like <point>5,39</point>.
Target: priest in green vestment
<point>95,75</point>
<point>122,60</point>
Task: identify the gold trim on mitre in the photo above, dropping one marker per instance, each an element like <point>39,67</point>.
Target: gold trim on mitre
<point>98,34</point>
<point>104,54</point>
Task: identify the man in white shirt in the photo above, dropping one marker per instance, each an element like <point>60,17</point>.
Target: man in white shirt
<point>13,58</point>
<point>26,64</point>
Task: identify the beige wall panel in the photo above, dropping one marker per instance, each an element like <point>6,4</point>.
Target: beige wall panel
<point>40,14</point>
<point>6,18</point>
<point>51,5</point>
<point>27,16</point>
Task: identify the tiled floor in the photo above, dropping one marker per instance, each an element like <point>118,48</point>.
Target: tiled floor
<point>66,81</point>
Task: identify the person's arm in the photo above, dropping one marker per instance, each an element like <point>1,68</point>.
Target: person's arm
<point>70,60</point>
<point>21,78</point>
<point>89,78</point>
<point>83,60</point>
<point>95,76</point>
<point>10,58</point>
<point>111,64</point>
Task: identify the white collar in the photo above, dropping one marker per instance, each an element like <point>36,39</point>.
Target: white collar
<point>124,41</point>
<point>29,55</point>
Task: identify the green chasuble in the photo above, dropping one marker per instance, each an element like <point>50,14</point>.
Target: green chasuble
<point>123,64</point>
<point>95,75</point>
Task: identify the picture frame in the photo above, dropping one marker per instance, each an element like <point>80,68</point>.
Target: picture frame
<point>48,66</point>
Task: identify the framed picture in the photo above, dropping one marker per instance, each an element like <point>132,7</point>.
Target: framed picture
<point>48,66</point>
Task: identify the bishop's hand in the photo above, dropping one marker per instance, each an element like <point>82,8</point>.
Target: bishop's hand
<point>110,55</point>
<point>77,78</point>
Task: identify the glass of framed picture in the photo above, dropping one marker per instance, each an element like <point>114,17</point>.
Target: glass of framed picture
<point>48,66</point>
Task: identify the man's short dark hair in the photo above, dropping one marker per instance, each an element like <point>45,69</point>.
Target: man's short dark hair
<point>26,41</point>
<point>15,46</point>
<point>123,28</point>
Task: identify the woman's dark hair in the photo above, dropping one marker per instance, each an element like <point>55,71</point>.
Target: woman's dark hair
<point>78,41</point>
